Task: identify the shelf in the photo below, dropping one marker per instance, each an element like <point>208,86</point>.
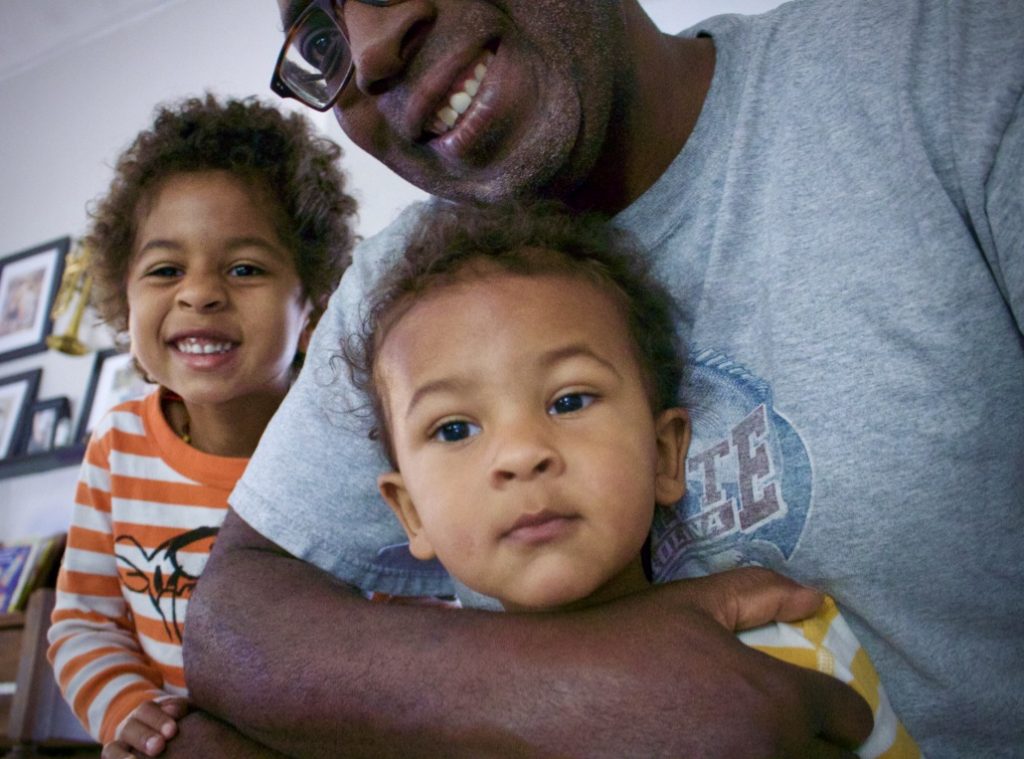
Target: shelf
<point>35,463</point>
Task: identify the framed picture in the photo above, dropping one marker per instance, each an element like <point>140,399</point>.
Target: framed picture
<point>46,420</point>
<point>17,392</point>
<point>114,380</point>
<point>28,284</point>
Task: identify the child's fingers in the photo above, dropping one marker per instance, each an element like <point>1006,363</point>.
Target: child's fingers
<point>152,715</point>
<point>141,737</point>
<point>174,707</point>
<point>116,750</point>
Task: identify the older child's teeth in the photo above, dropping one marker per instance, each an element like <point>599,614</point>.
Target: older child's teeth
<point>199,346</point>
<point>458,104</point>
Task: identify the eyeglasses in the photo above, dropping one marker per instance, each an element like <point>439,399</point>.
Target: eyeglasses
<point>315,62</point>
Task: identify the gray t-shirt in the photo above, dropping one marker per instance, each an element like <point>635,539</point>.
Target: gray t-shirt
<point>845,233</point>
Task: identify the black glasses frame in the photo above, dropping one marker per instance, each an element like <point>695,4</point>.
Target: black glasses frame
<point>333,10</point>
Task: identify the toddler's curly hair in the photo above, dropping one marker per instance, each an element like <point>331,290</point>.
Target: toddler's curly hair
<point>456,243</point>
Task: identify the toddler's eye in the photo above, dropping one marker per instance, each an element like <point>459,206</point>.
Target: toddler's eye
<point>452,432</point>
<point>570,402</point>
<point>245,270</point>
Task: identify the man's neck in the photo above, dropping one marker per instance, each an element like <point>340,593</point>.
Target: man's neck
<point>671,80</point>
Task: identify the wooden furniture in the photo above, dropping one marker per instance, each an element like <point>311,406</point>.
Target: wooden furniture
<point>37,718</point>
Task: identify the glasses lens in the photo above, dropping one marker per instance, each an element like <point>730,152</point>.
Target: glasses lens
<point>316,59</point>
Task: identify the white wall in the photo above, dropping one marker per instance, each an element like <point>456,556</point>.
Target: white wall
<point>65,121</point>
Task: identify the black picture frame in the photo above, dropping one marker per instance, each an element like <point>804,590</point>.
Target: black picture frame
<point>113,380</point>
<point>44,420</point>
<point>17,394</point>
<point>29,281</point>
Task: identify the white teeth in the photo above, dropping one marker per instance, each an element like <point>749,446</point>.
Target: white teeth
<point>448,115</point>
<point>195,346</point>
<point>459,103</point>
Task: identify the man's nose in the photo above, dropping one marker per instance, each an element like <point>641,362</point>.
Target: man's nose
<point>384,40</point>
<point>526,452</point>
<point>201,291</point>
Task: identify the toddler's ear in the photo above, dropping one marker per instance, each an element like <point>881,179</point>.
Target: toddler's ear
<point>392,489</point>
<point>672,427</point>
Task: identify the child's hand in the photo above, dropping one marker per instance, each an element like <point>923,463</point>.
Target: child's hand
<point>148,728</point>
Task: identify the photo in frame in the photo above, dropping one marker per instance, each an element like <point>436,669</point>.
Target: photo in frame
<point>28,285</point>
<point>17,393</point>
<point>46,420</point>
<point>114,380</point>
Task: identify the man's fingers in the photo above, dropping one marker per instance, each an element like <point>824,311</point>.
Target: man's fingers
<point>749,597</point>
<point>845,718</point>
<point>822,750</point>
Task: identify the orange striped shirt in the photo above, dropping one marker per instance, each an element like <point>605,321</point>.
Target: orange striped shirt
<point>147,510</point>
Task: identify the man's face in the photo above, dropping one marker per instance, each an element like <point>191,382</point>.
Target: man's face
<point>483,99</point>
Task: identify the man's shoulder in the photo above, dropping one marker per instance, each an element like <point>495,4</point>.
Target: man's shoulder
<point>373,255</point>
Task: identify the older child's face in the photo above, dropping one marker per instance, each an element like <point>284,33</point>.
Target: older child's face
<point>216,309</point>
<point>530,459</point>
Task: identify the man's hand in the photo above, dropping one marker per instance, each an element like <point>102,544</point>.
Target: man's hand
<point>299,662</point>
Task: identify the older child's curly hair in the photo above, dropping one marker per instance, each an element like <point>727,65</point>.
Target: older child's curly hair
<point>457,243</point>
<point>279,154</point>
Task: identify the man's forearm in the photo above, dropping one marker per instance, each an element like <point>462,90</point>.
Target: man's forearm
<point>199,734</point>
<point>297,662</point>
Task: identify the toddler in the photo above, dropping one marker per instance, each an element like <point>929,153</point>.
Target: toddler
<point>225,229</point>
<point>523,368</point>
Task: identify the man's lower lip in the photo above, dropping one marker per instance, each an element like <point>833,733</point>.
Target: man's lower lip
<point>467,133</point>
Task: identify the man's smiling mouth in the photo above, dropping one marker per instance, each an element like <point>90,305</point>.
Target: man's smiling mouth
<point>460,98</point>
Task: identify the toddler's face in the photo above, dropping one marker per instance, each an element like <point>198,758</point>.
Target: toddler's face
<point>216,309</point>
<point>530,462</point>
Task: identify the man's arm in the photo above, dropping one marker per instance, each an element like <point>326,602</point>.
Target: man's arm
<point>298,662</point>
<point>199,734</point>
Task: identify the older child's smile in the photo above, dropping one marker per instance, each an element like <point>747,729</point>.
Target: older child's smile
<point>206,351</point>
<point>195,345</point>
<point>217,306</point>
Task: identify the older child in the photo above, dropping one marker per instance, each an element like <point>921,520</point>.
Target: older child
<point>225,230</point>
<point>523,370</point>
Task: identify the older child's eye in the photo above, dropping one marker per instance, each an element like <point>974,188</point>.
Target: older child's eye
<point>246,270</point>
<point>570,402</point>
<point>165,270</point>
<point>452,432</point>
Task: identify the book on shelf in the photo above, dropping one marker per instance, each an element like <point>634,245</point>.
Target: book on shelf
<point>26,565</point>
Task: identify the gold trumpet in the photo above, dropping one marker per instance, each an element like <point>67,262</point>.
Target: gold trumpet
<point>75,286</point>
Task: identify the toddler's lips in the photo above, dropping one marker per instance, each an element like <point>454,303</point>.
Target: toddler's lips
<point>540,527</point>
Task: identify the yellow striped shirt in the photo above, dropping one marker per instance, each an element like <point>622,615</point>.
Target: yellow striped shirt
<point>826,643</point>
